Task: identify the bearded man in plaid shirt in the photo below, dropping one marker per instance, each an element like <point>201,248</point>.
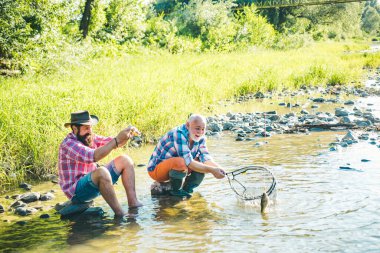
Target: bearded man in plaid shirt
<point>81,179</point>
<point>181,156</point>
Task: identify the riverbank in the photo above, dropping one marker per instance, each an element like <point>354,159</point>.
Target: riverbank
<point>149,91</point>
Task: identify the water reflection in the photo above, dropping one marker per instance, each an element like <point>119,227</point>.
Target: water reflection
<point>84,228</point>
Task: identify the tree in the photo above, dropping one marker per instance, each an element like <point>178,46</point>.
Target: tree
<point>370,20</point>
<point>86,17</point>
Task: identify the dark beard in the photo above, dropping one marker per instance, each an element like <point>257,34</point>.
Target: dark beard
<point>85,139</point>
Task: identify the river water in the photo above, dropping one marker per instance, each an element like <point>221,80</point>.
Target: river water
<point>318,206</point>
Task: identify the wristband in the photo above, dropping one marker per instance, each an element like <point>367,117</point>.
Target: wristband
<point>117,144</point>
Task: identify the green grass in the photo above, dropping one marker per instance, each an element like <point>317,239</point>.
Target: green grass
<point>154,91</point>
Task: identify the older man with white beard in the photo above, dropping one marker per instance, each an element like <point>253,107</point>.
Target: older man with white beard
<point>182,154</point>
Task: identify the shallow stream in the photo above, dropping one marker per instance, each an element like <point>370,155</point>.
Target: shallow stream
<point>319,207</point>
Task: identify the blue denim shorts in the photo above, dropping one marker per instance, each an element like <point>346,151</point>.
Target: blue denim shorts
<point>86,189</point>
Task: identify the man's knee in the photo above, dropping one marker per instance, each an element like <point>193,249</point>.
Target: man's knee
<point>101,175</point>
<point>123,162</point>
<point>179,164</point>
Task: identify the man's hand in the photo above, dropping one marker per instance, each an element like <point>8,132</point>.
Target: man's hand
<point>218,173</point>
<point>126,134</point>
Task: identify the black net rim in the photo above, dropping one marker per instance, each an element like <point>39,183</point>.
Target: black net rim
<point>236,172</point>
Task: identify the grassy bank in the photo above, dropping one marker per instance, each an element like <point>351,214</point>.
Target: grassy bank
<point>154,91</point>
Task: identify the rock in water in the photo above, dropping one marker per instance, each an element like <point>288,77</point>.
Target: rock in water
<point>264,202</point>
<point>160,188</point>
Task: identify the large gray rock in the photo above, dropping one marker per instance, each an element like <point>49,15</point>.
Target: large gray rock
<point>363,123</point>
<point>30,197</point>
<point>47,196</point>
<point>350,136</point>
<point>160,188</point>
<point>214,127</point>
<point>228,126</point>
<point>341,112</point>
<point>18,203</point>
<point>25,186</point>
<point>347,119</point>
<point>259,95</point>
<point>69,208</point>
<point>369,116</point>
<point>23,211</point>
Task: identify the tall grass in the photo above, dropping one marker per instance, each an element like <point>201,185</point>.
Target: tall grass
<point>154,91</point>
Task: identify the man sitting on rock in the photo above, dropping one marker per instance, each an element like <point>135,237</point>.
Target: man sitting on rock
<point>81,178</point>
<point>182,154</point>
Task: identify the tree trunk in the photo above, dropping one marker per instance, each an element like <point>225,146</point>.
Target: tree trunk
<point>85,22</point>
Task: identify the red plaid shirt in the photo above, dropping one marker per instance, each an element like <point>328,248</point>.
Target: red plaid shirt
<point>76,160</point>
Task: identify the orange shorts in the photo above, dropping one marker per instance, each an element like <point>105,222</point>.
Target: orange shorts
<point>161,172</point>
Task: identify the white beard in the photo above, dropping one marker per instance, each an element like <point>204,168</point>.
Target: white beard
<point>192,136</point>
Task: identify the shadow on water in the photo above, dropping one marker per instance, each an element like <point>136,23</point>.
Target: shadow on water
<point>29,235</point>
<point>56,233</point>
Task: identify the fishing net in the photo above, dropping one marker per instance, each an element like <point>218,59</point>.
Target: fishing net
<point>249,183</point>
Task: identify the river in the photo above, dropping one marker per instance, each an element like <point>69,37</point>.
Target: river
<point>318,206</point>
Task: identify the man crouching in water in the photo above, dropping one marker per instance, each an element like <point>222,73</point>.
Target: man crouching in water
<point>182,153</point>
<point>81,179</point>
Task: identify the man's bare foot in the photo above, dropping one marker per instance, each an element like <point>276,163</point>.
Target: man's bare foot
<point>120,214</point>
<point>135,204</point>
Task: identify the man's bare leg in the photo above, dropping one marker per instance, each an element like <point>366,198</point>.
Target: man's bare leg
<point>125,166</point>
<point>102,178</point>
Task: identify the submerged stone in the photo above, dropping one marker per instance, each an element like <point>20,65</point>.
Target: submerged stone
<point>160,188</point>
<point>94,211</point>
<point>70,208</point>
<point>349,169</point>
<point>350,136</point>
<point>21,222</point>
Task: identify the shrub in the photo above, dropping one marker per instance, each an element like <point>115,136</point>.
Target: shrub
<point>211,21</point>
<point>124,21</point>
<point>254,29</point>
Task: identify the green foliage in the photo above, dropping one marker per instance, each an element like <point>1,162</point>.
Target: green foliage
<point>159,31</point>
<point>337,78</point>
<point>14,30</point>
<point>372,61</point>
<point>211,21</point>
<point>124,21</point>
<point>371,20</point>
<point>338,21</point>
<point>315,75</point>
<point>29,29</point>
<point>292,41</point>
<point>254,29</point>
